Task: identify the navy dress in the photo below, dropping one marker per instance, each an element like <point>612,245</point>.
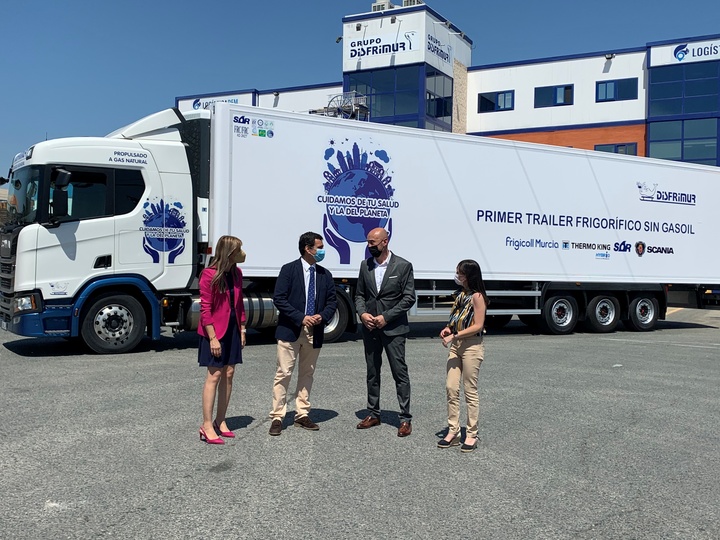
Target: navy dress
<point>230,343</point>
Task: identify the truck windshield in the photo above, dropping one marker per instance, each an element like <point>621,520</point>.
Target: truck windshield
<point>23,190</point>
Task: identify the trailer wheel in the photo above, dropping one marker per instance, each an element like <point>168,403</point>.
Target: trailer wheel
<point>560,314</point>
<point>337,325</point>
<point>496,322</point>
<point>643,314</point>
<point>603,314</point>
<point>114,323</point>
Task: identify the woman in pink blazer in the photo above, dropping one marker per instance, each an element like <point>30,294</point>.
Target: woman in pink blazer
<point>222,334</point>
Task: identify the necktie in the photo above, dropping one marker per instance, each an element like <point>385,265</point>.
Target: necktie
<point>310,310</point>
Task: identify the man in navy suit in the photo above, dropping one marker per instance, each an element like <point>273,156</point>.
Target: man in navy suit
<point>305,298</point>
<point>385,292</point>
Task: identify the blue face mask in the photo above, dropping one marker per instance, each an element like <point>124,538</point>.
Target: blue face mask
<point>319,255</point>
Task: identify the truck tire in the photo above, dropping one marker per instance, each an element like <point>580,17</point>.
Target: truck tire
<point>602,314</point>
<point>643,314</point>
<point>337,325</point>
<point>496,322</point>
<point>560,315</point>
<point>114,323</point>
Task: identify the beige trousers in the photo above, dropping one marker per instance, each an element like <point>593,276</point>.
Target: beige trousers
<point>288,353</point>
<point>463,362</point>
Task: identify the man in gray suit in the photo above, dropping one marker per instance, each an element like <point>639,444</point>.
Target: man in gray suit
<point>385,292</point>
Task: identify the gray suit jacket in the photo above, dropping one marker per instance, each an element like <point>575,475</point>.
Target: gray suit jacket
<point>395,297</point>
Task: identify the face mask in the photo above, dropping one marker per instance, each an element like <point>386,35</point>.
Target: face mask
<point>458,280</point>
<point>319,255</point>
<point>241,258</point>
<point>375,251</point>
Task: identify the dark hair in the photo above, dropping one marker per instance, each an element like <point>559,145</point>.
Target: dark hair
<point>308,240</point>
<point>471,270</point>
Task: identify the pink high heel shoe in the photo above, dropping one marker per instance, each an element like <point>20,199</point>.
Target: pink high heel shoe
<point>228,434</point>
<point>204,437</point>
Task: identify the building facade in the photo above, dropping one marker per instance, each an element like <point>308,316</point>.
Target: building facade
<point>408,65</point>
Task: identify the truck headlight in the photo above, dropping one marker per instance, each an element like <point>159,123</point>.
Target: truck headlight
<point>28,302</point>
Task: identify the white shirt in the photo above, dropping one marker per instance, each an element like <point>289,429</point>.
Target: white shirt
<point>380,271</point>
<point>306,274</point>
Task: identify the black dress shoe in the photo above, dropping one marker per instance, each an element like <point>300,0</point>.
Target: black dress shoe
<point>368,422</point>
<point>275,428</point>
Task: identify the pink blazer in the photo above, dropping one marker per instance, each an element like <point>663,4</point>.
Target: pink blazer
<point>215,307</point>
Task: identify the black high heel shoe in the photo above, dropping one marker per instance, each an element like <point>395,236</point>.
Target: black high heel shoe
<point>442,443</point>
<point>466,448</point>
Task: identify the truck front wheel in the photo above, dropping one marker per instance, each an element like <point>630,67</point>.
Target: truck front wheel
<point>643,313</point>
<point>114,323</point>
<point>337,325</point>
<point>560,314</point>
<point>603,314</point>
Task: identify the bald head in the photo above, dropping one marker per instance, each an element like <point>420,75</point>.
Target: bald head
<point>378,234</point>
<point>377,241</point>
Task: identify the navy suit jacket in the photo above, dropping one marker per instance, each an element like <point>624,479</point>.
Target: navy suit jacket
<point>290,296</point>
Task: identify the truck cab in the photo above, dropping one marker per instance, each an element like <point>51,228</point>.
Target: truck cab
<point>96,228</point>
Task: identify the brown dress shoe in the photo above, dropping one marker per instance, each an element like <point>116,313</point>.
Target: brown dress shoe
<point>405,429</point>
<point>305,423</point>
<point>275,428</point>
<point>368,422</point>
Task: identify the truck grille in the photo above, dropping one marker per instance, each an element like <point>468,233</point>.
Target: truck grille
<point>5,308</point>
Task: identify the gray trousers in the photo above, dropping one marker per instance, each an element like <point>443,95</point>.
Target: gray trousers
<point>375,342</point>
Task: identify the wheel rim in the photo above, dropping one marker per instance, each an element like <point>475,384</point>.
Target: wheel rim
<point>605,312</point>
<point>113,324</point>
<point>562,313</point>
<point>333,322</point>
<point>645,311</point>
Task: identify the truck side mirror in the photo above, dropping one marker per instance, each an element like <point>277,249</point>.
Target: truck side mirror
<point>62,180</point>
<point>3,181</point>
<point>59,203</point>
<point>60,194</point>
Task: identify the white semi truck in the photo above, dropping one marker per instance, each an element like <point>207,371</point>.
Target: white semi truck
<point>106,236</point>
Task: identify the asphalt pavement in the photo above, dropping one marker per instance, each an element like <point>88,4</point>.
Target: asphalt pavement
<point>584,436</point>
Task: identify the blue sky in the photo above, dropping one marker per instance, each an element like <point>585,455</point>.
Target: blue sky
<point>87,67</point>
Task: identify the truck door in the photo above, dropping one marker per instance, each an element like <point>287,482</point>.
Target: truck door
<point>73,249</point>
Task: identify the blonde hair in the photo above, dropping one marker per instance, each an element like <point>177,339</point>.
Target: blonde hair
<point>226,246</point>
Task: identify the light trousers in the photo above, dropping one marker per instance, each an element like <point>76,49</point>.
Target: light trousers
<point>463,363</point>
<point>288,354</point>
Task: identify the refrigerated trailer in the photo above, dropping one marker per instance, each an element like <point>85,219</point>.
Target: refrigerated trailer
<point>106,236</point>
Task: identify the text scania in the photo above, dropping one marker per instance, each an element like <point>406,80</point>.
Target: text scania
<point>662,250</point>
<point>373,46</point>
<point>435,46</point>
<point>534,243</point>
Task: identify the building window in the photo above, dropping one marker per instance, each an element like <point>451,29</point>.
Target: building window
<point>629,149</point>
<point>619,90</point>
<point>684,89</point>
<point>496,101</point>
<point>693,141</point>
<point>553,96</point>
<point>391,92</point>
<point>438,96</point>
